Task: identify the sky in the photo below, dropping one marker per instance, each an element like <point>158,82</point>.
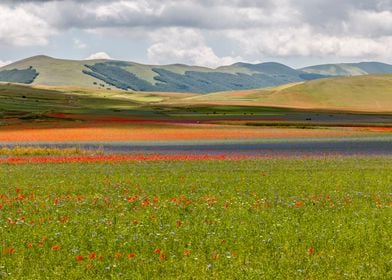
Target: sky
<point>199,32</point>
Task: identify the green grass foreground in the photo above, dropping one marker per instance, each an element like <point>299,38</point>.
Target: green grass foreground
<point>254,219</point>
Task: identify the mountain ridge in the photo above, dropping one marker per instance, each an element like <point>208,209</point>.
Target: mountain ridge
<point>126,75</point>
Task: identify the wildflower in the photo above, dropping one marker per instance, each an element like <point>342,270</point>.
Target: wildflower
<point>310,251</point>
<point>55,247</point>
<point>133,198</point>
<point>162,257</point>
<point>215,256</point>
<point>179,223</point>
<point>9,250</point>
<point>29,245</point>
<point>187,253</point>
<point>131,255</point>
<point>134,222</point>
<point>157,251</point>
<point>79,258</point>
<point>298,203</point>
<point>118,255</point>
<point>92,256</point>
<point>145,203</point>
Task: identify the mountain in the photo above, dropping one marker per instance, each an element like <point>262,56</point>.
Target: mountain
<point>349,69</point>
<point>368,93</point>
<point>109,74</point>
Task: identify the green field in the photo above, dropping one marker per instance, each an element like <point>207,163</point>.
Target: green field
<point>20,103</point>
<point>369,93</point>
<point>271,219</point>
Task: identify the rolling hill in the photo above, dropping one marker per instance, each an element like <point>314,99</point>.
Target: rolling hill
<point>349,69</point>
<point>368,93</point>
<point>108,74</point>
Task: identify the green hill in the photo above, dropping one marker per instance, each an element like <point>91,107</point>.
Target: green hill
<point>369,93</point>
<point>349,69</point>
<point>130,76</point>
<point>52,72</point>
<point>108,74</point>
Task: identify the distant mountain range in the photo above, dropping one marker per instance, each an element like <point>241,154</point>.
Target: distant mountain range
<point>110,74</point>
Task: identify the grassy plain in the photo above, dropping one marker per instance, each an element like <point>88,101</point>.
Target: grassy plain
<point>369,93</point>
<point>79,114</point>
<point>275,219</point>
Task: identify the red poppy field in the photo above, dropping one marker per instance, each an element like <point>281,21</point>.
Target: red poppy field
<point>60,132</point>
<point>196,217</point>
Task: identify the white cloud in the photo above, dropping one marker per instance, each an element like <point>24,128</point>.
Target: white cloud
<point>19,27</point>
<point>176,29</point>
<point>303,41</point>
<point>370,23</point>
<point>185,46</point>
<point>4,63</point>
<point>99,55</point>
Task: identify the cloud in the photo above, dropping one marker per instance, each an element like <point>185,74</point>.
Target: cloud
<point>305,41</point>
<point>184,45</point>
<point>98,55</point>
<point>249,29</point>
<point>21,28</point>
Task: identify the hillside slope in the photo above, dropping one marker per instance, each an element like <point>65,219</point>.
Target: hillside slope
<point>349,69</point>
<point>369,93</point>
<point>44,70</point>
<point>53,72</point>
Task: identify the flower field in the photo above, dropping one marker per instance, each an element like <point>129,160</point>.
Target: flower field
<point>197,218</point>
<point>162,132</point>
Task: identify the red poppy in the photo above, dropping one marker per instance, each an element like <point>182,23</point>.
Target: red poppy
<point>298,203</point>
<point>187,252</point>
<point>56,247</point>
<point>131,255</point>
<point>9,250</point>
<point>157,251</point>
<point>79,258</point>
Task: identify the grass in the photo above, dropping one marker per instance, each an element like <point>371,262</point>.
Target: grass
<point>37,102</point>
<point>273,219</point>
<point>369,93</point>
<point>41,151</point>
<point>38,106</point>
